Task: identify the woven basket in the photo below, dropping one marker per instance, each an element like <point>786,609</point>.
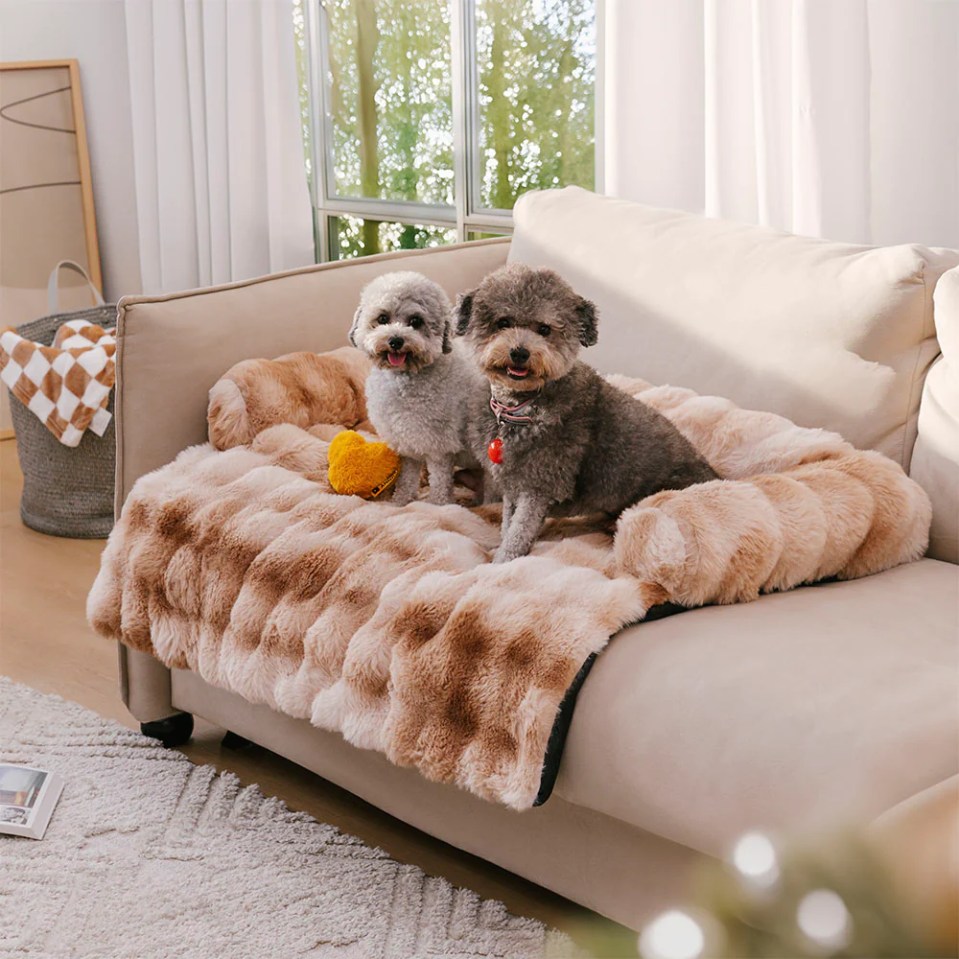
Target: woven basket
<point>66,491</point>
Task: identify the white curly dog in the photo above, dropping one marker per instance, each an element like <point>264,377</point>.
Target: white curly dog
<point>420,388</point>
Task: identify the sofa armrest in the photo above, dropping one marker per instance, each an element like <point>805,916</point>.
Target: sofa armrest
<point>173,348</point>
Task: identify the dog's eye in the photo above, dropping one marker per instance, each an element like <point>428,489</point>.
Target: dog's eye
<point>415,322</point>
<point>383,319</point>
<point>544,330</point>
<point>504,322</point>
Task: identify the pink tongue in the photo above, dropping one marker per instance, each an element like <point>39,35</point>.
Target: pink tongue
<point>516,372</point>
<point>396,359</point>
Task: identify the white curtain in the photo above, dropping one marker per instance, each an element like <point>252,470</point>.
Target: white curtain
<point>835,118</point>
<point>218,156</point>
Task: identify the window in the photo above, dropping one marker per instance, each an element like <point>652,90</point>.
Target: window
<point>354,236</point>
<point>426,119</point>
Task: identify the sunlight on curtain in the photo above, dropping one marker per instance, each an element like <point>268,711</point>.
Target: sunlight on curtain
<point>218,156</point>
<point>836,119</point>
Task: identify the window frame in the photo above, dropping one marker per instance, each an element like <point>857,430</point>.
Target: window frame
<point>465,215</point>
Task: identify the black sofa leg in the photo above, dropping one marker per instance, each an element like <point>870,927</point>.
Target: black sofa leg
<point>175,730</point>
<point>235,741</point>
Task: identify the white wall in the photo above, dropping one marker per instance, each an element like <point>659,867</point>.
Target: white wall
<point>94,33</point>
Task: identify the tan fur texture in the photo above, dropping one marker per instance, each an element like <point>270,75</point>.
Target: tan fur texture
<point>797,505</point>
<point>300,388</point>
<point>391,626</point>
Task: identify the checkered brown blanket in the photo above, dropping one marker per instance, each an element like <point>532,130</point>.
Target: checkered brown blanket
<point>67,385</point>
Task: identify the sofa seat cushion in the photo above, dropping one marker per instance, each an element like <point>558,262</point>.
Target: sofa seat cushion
<point>826,334</point>
<point>813,707</point>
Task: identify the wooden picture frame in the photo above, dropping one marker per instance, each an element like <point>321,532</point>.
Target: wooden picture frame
<point>47,211</point>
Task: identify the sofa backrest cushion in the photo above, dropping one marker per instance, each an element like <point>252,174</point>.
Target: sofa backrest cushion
<point>935,459</point>
<point>827,334</point>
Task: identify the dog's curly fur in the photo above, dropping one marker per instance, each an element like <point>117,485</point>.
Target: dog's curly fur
<point>588,447</point>
<point>418,391</point>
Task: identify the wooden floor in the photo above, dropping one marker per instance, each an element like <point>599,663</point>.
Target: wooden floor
<point>45,643</point>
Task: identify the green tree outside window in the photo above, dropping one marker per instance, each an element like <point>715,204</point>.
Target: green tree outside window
<point>390,69</point>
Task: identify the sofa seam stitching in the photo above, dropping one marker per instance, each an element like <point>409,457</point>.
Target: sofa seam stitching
<point>928,309</point>
<point>329,265</point>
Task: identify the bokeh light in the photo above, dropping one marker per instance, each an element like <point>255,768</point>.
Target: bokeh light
<point>754,857</point>
<point>673,935</point>
<point>824,919</point>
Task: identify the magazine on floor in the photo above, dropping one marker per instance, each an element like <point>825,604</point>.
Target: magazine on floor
<point>27,799</point>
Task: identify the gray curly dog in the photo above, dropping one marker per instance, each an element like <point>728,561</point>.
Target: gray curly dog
<point>569,443</point>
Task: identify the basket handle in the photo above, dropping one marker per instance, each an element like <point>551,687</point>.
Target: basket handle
<point>53,285</point>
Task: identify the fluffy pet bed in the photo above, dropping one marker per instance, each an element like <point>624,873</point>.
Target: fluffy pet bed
<point>306,389</point>
<point>391,626</point>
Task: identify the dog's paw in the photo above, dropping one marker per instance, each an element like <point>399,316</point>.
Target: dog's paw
<point>401,499</point>
<point>502,556</point>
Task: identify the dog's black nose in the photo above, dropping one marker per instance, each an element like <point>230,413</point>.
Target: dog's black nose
<point>396,342</point>
<point>519,354</point>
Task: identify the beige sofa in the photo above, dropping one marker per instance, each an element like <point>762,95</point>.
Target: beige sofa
<point>832,703</point>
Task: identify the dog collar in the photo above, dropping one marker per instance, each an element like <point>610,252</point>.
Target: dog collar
<point>512,414</point>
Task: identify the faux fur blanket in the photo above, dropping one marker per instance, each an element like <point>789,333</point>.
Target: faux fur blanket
<point>391,626</point>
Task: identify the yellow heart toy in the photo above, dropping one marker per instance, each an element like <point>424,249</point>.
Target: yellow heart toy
<point>358,468</point>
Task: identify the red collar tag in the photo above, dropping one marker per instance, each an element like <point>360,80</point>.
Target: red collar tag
<point>495,450</point>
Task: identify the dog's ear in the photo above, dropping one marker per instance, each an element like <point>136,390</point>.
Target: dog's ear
<point>355,326</point>
<point>463,312</point>
<point>588,334</point>
<point>447,340</point>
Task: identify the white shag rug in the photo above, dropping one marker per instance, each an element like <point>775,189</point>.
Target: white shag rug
<point>148,855</point>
